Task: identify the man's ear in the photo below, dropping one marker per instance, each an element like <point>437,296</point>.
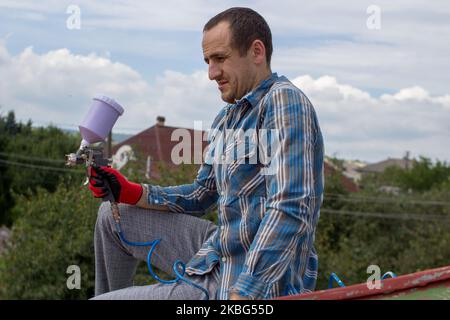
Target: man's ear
<point>258,52</point>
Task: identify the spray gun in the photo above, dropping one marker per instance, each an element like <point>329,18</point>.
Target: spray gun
<point>98,122</point>
<point>95,127</point>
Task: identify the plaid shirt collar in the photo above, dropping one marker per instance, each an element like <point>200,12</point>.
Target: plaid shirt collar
<point>254,96</point>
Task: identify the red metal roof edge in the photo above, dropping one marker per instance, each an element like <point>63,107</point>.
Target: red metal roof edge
<point>417,279</point>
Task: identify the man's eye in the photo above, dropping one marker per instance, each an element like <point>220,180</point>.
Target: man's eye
<point>221,59</point>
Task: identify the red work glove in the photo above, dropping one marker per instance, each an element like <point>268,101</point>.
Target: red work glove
<point>122,190</point>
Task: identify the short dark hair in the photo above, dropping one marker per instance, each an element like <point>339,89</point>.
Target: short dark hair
<point>246,26</point>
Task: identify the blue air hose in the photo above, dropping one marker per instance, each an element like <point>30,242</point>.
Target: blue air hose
<point>334,277</point>
<point>177,264</point>
<point>390,274</point>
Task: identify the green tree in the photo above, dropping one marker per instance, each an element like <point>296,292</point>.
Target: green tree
<point>55,230</point>
<point>52,232</point>
<point>6,200</point>
<point>36,154</point>
<point>31,158</point>
<point>332,229</point>
<point>422,176</point>
<point>403,233</point>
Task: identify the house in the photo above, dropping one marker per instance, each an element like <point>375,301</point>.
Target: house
<point>156,144</point>
<point>348,183</point>
<point>379,167</point>
<point>351,169</point>
<point>160,144</point>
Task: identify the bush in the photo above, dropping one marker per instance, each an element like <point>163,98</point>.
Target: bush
<point>411,232</point>
<point>53,231</point>
<point>28,158</point>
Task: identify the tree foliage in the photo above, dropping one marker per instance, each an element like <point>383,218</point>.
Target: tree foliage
<point>403,233</point>
<point>53,229</point>
<point>52,232</point>
<point>31,158</point>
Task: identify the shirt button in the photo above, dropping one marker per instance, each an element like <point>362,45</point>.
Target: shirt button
<point>224,259</point>
<point>156,201</point>
<point>222,227</point>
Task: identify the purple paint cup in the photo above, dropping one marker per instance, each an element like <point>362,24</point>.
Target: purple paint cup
<point>100,119</point>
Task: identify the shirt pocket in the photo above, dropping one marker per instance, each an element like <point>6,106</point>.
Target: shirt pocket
<point>241,155</point>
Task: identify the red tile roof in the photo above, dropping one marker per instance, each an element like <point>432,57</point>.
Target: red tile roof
<point>157,143</point>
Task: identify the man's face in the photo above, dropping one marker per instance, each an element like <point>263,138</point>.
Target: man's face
<point>235,75</point>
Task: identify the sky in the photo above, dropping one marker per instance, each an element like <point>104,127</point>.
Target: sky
<point>377,72</point>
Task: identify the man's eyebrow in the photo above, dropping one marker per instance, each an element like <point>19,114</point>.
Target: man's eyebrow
<point>215,55</point>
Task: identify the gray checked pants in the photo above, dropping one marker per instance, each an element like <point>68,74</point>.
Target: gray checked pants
<point>115,262</point>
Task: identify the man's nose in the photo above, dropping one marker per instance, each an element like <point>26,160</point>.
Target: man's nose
<point>214,71</point>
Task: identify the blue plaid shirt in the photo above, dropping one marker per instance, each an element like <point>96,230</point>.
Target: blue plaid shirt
<point>268,209</point>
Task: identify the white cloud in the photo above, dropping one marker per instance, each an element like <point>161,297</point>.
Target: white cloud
<point>329,85</point>
<point>413,93</point>
<point>324,37</point>
<point>357,125</point>
<point>124,14</point>
<point>57,87</point>
<point>186,98</point>
<point>316,38</point>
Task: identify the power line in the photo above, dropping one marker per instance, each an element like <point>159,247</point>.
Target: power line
<point>400,216</point>
<point>328,195</point>
<point>21,156</point>
<point>35,166</point>
<point>383,199</point>
<point>53,179</point>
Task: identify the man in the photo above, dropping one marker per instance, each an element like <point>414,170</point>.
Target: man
<point>263,244</point>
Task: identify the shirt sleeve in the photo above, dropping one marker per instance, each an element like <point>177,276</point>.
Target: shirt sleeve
<point>286,225</point>
<point>200,196</point>
<point>194,199</point>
